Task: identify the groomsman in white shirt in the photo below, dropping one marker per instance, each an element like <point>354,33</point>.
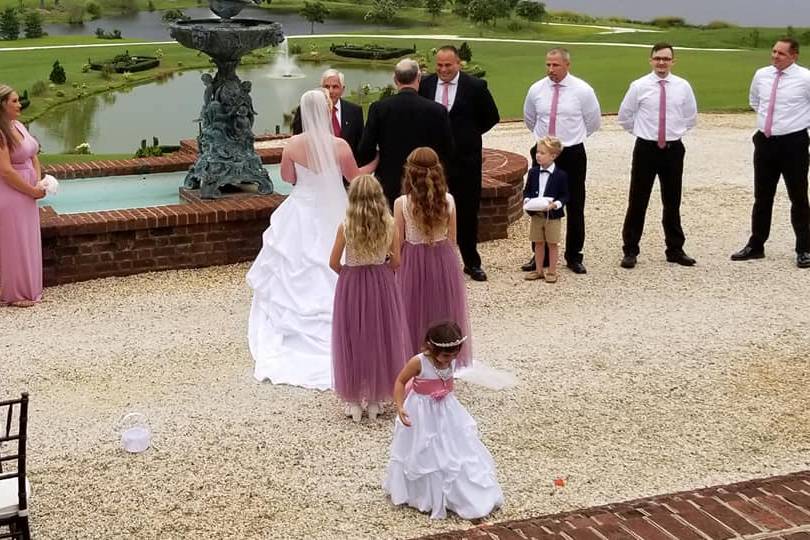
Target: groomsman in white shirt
<point>780,95</point>
<point>565,107</point>
<point>658,109</point>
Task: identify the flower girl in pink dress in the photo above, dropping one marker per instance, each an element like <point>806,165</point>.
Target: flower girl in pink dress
<point>438,462</point>
<point>369,333</point>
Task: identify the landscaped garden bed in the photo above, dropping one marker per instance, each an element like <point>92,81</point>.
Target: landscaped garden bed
<point>126,63</point>
<point>370,51</point>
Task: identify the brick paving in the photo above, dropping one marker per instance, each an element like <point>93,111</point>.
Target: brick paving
<point>766,508</point>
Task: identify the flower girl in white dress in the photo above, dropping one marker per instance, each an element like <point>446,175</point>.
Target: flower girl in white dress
<point>438,462</point>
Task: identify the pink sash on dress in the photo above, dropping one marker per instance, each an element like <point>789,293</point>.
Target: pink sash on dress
<point>435,388</point>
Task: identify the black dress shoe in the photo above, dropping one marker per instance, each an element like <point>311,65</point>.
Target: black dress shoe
<point>529,266</point>
<point>681,258</point>
<point>628,261</point>
<point>576,267</point>
<point>476,273</point>
<point>803,260</point>
<point>748,253</point>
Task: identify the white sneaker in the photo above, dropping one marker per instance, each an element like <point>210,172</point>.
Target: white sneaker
<point>356,412</point>
<point>373,410</point>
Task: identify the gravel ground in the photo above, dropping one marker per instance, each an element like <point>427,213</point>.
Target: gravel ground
<point>633,383</point>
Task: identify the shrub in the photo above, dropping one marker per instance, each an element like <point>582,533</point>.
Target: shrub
<point>171,15</point>
<point>57,75</point>
<point>81,149</point>
<point>107,71</point>
<point>25,101</point>
<point>716,25</point>
<point>75,12</point>
<point>93,9</point>
<point>33,25</point>
<point>148,151</point>
<point>9,24</point>
<point>370,51</point>
<point>514,26</point>
<point>668,22</point>
<point>530,10</point>
<point>150,6</point>
<point>387,91</point>
<point>295,48</point>
<point>465,52</point>
<point>39,88</point>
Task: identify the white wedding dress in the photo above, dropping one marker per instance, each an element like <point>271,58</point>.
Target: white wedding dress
<point>290,325</point>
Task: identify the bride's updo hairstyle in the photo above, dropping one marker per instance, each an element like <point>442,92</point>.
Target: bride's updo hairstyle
<point>444,337</point>
<point>424,183</point>
<point>316,121</point>
<point>369,225</point>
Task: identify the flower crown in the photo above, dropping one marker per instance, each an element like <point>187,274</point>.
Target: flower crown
<point>449,344</point>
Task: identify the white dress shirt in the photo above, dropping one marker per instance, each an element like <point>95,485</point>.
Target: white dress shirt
<point>451,91</point>
<point>791,111</point>
<point>638,112</point>
<point>578,112</point>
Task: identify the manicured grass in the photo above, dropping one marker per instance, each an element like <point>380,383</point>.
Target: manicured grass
<point>55,159</point>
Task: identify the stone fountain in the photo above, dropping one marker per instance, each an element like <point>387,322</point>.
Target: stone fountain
<point>226,155</point>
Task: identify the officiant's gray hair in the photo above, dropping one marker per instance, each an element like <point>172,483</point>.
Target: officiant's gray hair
<point>561,51</point>
<point>332,73</point>
<point>406,71</point>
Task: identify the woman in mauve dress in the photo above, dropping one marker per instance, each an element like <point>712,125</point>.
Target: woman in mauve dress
<point>20,244</point>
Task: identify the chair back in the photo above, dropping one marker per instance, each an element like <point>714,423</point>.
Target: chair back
<point>13,436</point>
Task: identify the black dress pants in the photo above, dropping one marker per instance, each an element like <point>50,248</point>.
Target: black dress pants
<point>650,161</point>
<point>464,183</point>
<point>574,161</point>
<point>785,155</point>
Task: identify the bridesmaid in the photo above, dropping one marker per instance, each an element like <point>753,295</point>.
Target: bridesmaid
<point>20,243</point>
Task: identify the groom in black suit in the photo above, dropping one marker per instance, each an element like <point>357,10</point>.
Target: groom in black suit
<point>347,118</point>
<point>401,123</point>
<point>472,113</point>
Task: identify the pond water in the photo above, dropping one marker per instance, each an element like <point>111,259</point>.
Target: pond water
<point>777,13</point>
<point>116,122</point>
<point>148,25</point>
<point>133,191</point>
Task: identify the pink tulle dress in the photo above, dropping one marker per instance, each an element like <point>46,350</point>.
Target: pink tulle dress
<point>20,242</point>
<point>432,284</point>
<point>369,331</point>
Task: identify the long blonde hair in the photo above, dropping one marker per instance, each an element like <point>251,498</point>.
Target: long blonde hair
<point>369,226</point>
<point>7,137</point>
<point>424,183</point>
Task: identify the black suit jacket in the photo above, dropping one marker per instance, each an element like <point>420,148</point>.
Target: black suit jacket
<point>351,123</point>
<point>556,188</point>
<point>397,125</point>
<point>473,113</point>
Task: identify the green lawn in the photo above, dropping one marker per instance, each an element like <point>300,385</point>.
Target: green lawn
<point>55,159</point>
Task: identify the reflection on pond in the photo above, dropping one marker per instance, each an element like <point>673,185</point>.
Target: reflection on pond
<point>167,109</point>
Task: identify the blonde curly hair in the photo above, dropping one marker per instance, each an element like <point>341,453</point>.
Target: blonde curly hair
<point>369,225</point>
<point>424,184</point>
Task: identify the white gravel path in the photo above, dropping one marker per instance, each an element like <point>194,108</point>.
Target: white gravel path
<point>633,383</point>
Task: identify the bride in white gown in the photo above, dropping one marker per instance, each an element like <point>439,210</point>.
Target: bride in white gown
<point>290,325</point>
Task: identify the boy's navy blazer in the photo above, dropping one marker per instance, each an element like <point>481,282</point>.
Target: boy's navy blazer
<point>556,188</point>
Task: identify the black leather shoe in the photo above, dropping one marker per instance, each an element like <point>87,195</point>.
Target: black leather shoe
<point>803,260</point>
<point>529,266</point>
<point>681,258</point>
<point>476,273</point>
<point>748,253</point>
<point>576,267</point>
<point>628,261</point>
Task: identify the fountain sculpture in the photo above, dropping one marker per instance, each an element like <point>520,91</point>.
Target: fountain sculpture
<point>225,144</point>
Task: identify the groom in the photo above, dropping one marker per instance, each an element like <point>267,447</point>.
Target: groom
<point>400,123</point>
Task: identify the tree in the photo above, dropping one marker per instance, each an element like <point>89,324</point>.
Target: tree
<point>382,11</point>
<point>434,7</point>
<point>460,7</point>
<point>9,24</point>
<point>530,10</point>
<point>58,74</point>
<point>33,25</point>
<point>464,52</point>
<point>481,11</point>
<point>314,12</point>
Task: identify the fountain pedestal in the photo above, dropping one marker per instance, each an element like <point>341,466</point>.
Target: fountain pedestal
<point>225,144</point>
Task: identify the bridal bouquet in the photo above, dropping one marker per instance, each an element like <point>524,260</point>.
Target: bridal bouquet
<point>49,184</point>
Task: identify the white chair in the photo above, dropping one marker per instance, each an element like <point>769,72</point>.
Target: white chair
<point>14,486</point>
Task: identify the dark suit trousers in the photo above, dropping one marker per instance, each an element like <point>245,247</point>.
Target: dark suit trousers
<point>574,161</point>
<point>465,186</point>
<point>667,164</point>
<point>784,155</point>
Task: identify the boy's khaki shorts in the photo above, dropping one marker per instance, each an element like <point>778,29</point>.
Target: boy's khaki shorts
<point>545,230</point>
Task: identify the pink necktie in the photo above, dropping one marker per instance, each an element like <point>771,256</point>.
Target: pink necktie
<point>552,117</point>
<point>771,104</point>
<point>446,95</point>
<point>662,115</point>
<point>335,123</point>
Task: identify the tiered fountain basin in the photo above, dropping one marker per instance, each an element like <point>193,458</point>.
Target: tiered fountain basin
<point>191,233</point>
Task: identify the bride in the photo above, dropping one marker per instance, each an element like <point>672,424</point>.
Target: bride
<point>290,325</point>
